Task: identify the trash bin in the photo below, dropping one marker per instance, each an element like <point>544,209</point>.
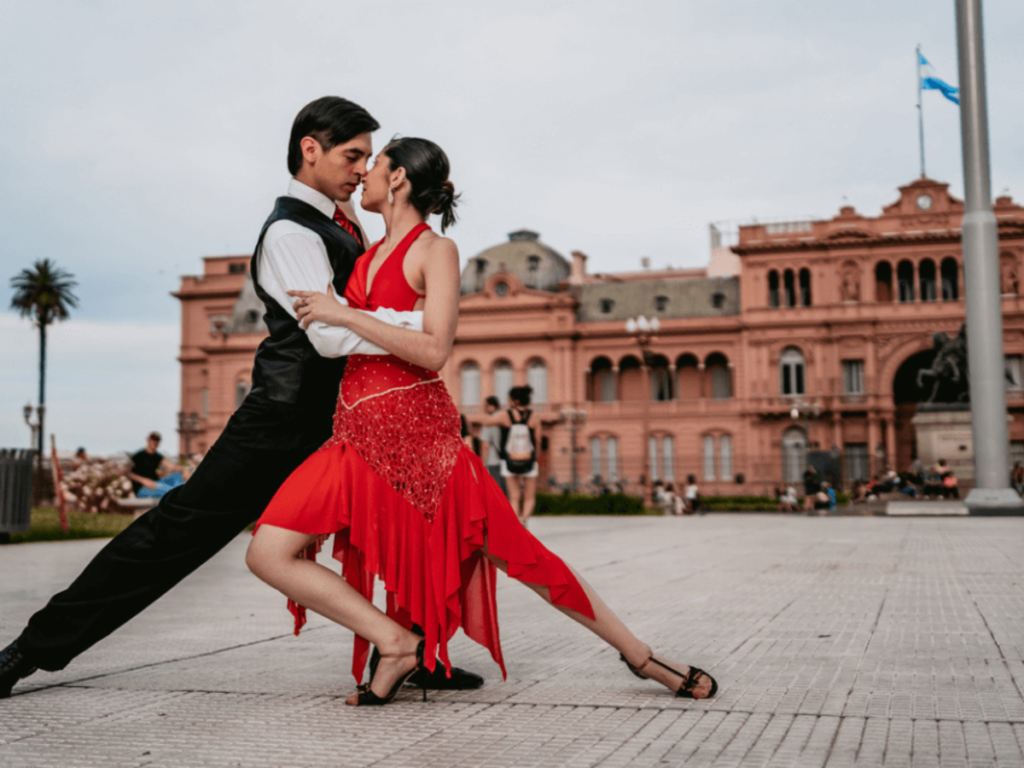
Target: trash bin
<point>16,489</point>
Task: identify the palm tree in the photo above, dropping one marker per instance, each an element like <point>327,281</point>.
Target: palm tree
<point>43,293</point>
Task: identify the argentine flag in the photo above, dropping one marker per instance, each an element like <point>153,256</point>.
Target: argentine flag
<point>931,82</point>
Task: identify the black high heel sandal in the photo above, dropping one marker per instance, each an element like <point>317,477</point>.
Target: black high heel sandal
<point>367,698</point>
<point>689,680</point>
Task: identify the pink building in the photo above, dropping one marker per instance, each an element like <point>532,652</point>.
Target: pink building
<point>801,336</point>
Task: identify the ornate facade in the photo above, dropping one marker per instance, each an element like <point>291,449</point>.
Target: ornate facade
<point>801,335</point>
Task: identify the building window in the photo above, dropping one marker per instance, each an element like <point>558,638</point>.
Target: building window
<point>661,303</point>
<point>502,381</point>
<point>611,445</point>
<point>237,268</point>
<point>926,276</point>
<point>595,458</point>
<point>533,263</point>
<point>905,279</point>
<point>789,288</point>
<point>241,390</point>
<point>950,271</point>
<point>252,316</point>
<point>1014,372</point>
<point>469,378</point>
<point>537,377</point>
<point>805,287</point>
<point>883,282</point>
<point>773,288</point>
<point>204,410</point>
<point>794,455</point>
<point>709,457</point>
<point>856,459</point>
<point>602,381</point>
<point>791,372</point>
<point>607,305</point>
<point>661,379</point>
<point>718,300</point>
<point>668,459</point>
<point>725,456</point>
<point>652,457</point>
<point>853,377</point>
<point>218,323</point>
<point>501,289</point>
<point>721,377</point>
<point>481,266</point>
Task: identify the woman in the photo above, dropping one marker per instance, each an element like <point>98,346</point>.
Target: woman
<point>520,471</point>
<point>407,500</point>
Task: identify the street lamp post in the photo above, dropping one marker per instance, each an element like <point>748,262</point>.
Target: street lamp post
<point>188,427</point>
<point>36,425</point>
<point>643,330</point>
<point>573,420</point>
<point>980,237</point>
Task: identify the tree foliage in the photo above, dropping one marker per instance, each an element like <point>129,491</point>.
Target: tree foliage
<point>44,293</point>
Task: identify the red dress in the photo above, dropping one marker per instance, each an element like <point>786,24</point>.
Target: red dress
<point>407,500</point>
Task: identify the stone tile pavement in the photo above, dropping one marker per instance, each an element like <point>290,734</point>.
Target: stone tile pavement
<point>837,641</point>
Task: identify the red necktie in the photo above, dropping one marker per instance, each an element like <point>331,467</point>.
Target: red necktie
<point>345,223</point>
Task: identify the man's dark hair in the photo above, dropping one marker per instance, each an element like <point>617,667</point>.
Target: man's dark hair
<point>521,395</point>
<point>495,403</point>
<point>331,120</point>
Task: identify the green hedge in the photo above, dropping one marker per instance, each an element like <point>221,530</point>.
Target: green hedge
<point>45,526</point>
<point>752,503</point>
<point>579,504</point>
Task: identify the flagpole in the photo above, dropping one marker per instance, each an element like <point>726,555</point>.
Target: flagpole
<point>920,112</point>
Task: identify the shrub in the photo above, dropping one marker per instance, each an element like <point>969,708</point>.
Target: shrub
<point>752,503</point>
<point>579,504</point>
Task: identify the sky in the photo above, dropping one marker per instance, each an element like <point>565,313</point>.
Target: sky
<point>137,137</point>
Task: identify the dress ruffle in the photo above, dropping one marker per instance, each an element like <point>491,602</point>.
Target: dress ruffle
<point>434,573</point>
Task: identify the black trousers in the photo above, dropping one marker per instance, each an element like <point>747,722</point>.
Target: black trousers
<point>229,490</point>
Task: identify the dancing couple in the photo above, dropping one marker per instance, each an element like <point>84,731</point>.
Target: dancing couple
<point>405,499</point>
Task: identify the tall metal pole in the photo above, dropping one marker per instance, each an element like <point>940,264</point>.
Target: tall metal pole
<point>979,234</point>
<point>920,112</point>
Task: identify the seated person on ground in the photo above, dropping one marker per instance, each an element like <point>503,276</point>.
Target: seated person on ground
<point>145,468</point>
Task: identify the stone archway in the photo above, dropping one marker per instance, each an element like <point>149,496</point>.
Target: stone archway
<point>906,395</point>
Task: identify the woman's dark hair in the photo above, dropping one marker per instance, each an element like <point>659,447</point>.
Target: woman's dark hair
<point>521,394</point>
<point>331,120</point>
<point>691,479</point>
<point>426,167</point>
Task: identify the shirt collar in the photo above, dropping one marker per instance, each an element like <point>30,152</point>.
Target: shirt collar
<point>307,194</point>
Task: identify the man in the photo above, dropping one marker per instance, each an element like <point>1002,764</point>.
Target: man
<point>490,439</point>
<point>145,471</point>
<point>307,242</point>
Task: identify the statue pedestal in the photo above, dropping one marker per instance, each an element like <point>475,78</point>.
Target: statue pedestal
<point>944,432</point>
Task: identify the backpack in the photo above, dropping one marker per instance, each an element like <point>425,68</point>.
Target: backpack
<point>518,449</point>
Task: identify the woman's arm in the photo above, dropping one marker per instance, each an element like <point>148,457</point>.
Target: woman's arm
<point>496,419</point>
<point>431,346</point>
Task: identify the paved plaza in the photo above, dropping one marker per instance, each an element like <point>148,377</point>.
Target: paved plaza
<point>836,641</point>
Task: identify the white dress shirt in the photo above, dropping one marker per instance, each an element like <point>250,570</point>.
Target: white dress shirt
<point>294,258</point>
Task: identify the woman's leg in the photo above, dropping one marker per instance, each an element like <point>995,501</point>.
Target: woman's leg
<point>274,557</point>
<point>515,494</point>
<point>610,628</point>
<point>529,497</point>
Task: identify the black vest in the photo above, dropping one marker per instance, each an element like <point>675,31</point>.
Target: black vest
<point>288,374</point>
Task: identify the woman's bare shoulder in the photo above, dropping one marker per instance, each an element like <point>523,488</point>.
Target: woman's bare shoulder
<point>434,246</point>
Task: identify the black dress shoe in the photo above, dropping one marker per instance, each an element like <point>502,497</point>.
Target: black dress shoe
<point>438,680</point>
<point>13,667</point>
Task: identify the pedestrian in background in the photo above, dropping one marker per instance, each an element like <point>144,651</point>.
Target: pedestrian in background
<point>490,444</point>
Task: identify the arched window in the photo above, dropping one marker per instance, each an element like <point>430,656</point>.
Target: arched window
<point>725,456</point>
<point>794,455</point>
<point>631,379</point>
<point>241,391</point>
<point>661,452</point>
<point>537,377</point>
<point>883,282</point>
<point>905,279</point>
<point>660,303</point>
<point>926,276</point>
<point>773,288</point>
<point>661,378</point>
<point>721,378</point>
<point>950,271</point>
<point>602,378</point>
<point>688,378</point>
<point>469,384</point>
<point>805,287</point>
<point>503,380</point>
<point>789,288</point>
<point>791,372</point>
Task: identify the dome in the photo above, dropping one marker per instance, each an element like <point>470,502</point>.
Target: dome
<point>525,256</point>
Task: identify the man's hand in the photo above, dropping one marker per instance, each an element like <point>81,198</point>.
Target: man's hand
<point>321,307</point>
<point>151,484</point>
